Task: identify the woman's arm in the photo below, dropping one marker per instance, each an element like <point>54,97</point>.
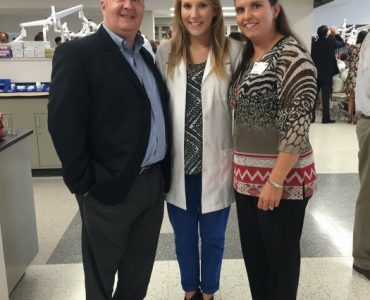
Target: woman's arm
<point>297,92</point>
<point>271,194</point>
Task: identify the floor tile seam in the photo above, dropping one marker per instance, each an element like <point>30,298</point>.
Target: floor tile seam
<point>327,257</point>
<point>227,260</point>
<point>38,266</point>
<point>61,237</point>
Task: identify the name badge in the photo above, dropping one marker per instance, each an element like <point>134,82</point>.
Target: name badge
<point>259,67</point>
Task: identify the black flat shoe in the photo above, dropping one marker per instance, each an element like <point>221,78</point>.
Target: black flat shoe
<point>328,121</point>
<point>197,295</point>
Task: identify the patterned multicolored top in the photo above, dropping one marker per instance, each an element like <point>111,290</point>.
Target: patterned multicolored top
<point>272,115</point>
<point>353,57</point>
<point>193,142</point>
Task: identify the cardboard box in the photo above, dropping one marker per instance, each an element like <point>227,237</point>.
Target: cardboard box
<point>18,53</point>
<point>39,51</point>
<point>29,52</point>
<point>36,44</point>
<point>16,45</point>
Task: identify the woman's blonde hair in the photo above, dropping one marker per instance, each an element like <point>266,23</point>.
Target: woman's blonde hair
<point>181,40</point>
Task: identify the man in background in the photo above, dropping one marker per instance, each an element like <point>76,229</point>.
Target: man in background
<point>333,34</point>
<point>108,121</point>
<point>39,37</point>
<point>323,55</point>
<point>361,231</point>
<point>58,40</point>
<point>4,37</point>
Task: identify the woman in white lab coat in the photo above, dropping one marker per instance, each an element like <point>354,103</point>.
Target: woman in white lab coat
<point>197,64</point>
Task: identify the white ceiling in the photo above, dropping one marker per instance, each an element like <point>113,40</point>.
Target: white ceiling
<point>32,7</point>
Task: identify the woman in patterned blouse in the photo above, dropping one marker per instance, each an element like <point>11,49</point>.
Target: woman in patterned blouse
<point>273,94</point>
<point>350,85</point>
<point>197,65</point>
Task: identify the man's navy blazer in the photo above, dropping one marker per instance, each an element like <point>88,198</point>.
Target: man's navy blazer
<point>323,55</point>
<point>100,117</point>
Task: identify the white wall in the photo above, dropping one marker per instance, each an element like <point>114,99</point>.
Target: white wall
<point>3,280</point>
<point>147,26</point>
<point>355,11</point>
<point>300,15</point>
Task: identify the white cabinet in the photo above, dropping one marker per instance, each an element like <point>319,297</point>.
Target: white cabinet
<point>17,208</point>
<point>47,154</point>
<point>3,281</point>
<point>31,113</point>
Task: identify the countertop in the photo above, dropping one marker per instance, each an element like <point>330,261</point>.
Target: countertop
<point>9,140</point>
<point>24,95</point>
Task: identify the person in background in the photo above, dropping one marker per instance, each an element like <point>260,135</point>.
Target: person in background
<point>39,37</point>
<point>4,37</point>
<point>58,40</point>
<point>168,36</point>
<point>238,36</point>
<point>323,55</point>
<point>154,46</point>
<point>350,84</point>
<point>197,64</point>
<point>114,148</point>
<point>344,58</point>
<point>361,230</point>
<point>334,35</point>
<point>273,92</point>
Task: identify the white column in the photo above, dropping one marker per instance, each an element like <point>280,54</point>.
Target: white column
<point>300,15</point>
<point>147,26</point>
<point>3,281</point>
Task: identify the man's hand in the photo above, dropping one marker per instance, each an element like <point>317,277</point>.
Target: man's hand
<point>333,31</point>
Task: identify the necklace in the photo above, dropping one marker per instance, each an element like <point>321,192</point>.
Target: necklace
<point>265,51</point>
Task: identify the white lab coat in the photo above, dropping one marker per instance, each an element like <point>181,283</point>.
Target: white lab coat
<point>217,190</point>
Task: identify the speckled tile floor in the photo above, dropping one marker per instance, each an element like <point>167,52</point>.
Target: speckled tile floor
<point>56,272</point>
<point>321,279</point>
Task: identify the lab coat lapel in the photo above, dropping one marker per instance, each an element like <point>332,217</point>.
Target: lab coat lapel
<point>209,66</point>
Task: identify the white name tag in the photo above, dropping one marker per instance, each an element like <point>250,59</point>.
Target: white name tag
<point>259,67</point>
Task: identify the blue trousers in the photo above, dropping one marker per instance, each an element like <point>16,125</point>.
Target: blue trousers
<point>188,225</point>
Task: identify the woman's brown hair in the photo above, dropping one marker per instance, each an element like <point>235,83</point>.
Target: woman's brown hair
<point>282,26</point>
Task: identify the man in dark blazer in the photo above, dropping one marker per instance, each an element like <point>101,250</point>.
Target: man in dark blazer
<point>323,55</point>
<point>108,120</point>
